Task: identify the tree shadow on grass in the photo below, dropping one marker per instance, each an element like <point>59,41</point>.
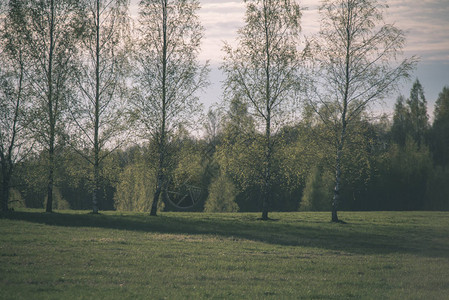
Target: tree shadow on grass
<point>351,238</point>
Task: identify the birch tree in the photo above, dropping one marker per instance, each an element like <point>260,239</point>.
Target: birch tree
<point>96,114</point>
<point>167,76</point>
<point>51,30</point>
<point>358,63</point>
<point>262,70</point>
<point>13,146</point>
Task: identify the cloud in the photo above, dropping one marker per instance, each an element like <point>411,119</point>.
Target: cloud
<point>426,25</point>
<point>424,22</point>
<point>221,20</point>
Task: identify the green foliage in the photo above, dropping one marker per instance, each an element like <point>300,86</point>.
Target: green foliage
<point>314,152</point>
<point>377,175</point>
<point>222,193</point>
<point>418,118</point>
<point>135,187</point>
<point>188,167</point>
<point>58,200</point>
<point>136,182</point>
<point>187,184</point>
<point>239,153</point>
<point>410,117</point>
<point>73,180</point>
<point>318,191</point>
<point>406,177</point>
<point>442,106</point>
<point>297,152</point>
<point>15,199</point>
<point>400,125</point>
<point>440,129</point>
<point>403,175</point>
<point>241,159</point>
<point>437,189</point>
<point>31,182</point>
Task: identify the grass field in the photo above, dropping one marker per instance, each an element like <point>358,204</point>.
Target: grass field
<point>73,254</point>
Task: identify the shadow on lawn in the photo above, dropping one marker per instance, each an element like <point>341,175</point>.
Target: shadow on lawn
<point>350,238</point>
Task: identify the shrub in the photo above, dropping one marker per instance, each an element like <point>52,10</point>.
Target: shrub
<point>222,193</point>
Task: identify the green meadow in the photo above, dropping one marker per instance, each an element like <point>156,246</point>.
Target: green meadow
<point>77,255</point>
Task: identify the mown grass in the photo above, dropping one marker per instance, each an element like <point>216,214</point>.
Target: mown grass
<point>73,254</point>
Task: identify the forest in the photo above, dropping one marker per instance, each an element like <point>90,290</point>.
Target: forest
<point>101,112</point>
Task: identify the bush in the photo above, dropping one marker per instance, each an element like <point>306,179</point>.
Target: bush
<point>58,201</point>
<point>15,199</point>
<point>438,189</point>
<point>135,189</point>
<point>318,191</point>
<point>222,193</point>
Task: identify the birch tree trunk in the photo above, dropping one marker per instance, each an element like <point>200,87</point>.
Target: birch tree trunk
<point>161,142</point>
<point>267,180</point>
<point>96,112</point>
<point>336,197</point>
<point>51,113</point>
<point>5,187</point>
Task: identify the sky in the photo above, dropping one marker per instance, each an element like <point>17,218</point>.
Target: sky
<point>425,23</point>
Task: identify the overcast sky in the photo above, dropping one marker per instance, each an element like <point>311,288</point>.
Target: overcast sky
<point>425,22</point>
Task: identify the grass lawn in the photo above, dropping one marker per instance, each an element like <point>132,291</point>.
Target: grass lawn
<point>73,254</point>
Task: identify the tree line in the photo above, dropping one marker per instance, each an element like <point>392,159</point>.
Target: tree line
<point>100,111</point>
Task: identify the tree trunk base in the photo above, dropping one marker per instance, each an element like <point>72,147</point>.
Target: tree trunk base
<point>267,219</point>
<point>334,213</point>
<point>339,222</point>
<point>264,216</point>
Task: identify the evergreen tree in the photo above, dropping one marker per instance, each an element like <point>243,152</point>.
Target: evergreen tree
<point>400,125</point>
<point>417,116</point>
<point>440,129</point>
<point>410,117</point>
